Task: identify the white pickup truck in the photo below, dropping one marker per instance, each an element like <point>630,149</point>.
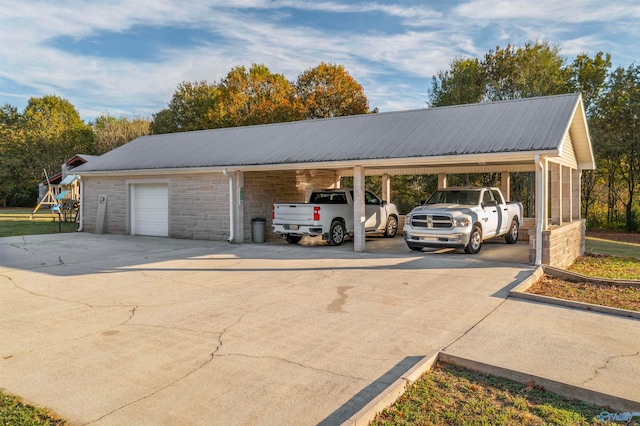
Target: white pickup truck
<point>462,218</point>
<point>329,213</point>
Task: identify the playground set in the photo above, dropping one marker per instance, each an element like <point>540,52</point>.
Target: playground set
<point>63,199</point>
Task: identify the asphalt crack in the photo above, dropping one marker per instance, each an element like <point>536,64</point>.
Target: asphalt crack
<point>606,364</point>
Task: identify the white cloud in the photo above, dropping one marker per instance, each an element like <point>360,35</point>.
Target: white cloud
<point>241,34</point>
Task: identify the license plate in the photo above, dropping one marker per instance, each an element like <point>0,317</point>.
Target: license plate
<point>293,227</point>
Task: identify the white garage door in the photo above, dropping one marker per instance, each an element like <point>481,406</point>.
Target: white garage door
<point>150,209</point>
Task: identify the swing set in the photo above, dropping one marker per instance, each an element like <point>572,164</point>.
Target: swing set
<point>66,203</point>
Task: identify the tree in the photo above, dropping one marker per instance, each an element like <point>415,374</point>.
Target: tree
<point>111,132</point>
<point>47,133</point>
<point>537,69</point>
<point>462,83</point>
<point>256,96</point>
<point>617,120</point>
<point>328,90</point>
<point>192,107</point>
<point>587,75</point>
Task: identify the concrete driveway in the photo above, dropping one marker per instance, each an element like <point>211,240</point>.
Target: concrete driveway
<point>111,330</point>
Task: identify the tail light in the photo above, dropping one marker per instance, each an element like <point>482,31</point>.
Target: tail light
<point>273,212</point>
<point>316,213</point>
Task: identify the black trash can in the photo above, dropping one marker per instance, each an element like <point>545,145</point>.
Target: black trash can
<point>257,229</point>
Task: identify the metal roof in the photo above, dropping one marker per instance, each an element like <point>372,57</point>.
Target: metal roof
<point>526,125</point>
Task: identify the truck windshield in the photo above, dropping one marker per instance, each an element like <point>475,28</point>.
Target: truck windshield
<point>454,197</point>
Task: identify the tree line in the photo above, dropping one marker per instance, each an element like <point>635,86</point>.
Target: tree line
<point>50,130</point>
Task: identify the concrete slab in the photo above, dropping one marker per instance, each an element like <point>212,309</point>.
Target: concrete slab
<point>109,329</point>
<point>591,350</point>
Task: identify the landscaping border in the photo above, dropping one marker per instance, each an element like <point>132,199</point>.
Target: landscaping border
<point>520,291</point>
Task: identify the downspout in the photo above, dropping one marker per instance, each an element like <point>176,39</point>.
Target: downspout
<point>231,215</point>
<point>81,212</point>
<point>540,180</point>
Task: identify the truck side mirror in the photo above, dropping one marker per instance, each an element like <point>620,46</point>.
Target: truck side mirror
<point>384,202</point>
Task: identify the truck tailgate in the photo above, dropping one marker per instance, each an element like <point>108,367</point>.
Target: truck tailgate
<point>298,214</point>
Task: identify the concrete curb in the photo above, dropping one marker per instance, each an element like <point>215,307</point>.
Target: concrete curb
<point>572,276</point>
<point>391,393</point>
<point>394,391</point>
<point>520,292</point>
<point>563,389</point>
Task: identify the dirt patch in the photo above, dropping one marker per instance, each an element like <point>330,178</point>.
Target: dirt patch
<point>605,295</point>
<point>625,237</point>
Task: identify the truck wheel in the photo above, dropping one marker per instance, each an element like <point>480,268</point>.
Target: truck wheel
<point>475,241</point>
<point>336,233</point>
<point>293,239</point>
<point>512,235</point>
<point>391,229</point>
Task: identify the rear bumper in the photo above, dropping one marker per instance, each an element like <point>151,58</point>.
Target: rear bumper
<point>451,238</point>
<point>301,230</point>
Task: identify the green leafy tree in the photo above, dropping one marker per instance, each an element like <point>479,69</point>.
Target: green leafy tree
<point>192,107</point>
<point>42,137</point>
<point>617,121</point>
<point>462,83</point>
<point>328,90</point>
<point>112,132</point>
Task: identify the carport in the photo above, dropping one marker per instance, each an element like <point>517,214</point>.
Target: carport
<point>252,167</point>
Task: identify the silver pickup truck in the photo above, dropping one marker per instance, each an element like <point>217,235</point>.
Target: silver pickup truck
<point>329,213</point>
<point>462,218</point>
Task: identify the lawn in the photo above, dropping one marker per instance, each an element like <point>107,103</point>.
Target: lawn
<point>16,222</point>
<point>451,395</point>
<point>14,412</point>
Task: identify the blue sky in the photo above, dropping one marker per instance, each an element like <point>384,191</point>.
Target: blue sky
<point>128,56</point>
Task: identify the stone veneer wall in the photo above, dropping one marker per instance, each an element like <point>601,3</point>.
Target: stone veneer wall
<point>263,189</point>
<point>198,204</point>
<point>115,219</point>
<point>560,245</point>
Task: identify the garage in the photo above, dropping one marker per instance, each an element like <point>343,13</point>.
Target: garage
<point>150,209</point>
<point>219,180</point>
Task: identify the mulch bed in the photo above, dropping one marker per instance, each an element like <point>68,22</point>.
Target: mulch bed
<point>606,295</point>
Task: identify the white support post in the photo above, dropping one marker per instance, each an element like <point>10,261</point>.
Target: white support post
<point>505,185</point>
<point>386,188</point>
<point>358,209</point>
<point>567,194</point>
<point>576,178</point>
<point>541,204</point>
<point>442,180</point>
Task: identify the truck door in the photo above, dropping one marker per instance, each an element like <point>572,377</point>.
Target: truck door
<point>503,210</point>
<point>491,213</point>
<point>372,207</point>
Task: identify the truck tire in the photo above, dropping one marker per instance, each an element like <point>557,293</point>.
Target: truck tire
<point>475,241</point>
<point>293,239</point>
<point>512,236</point>
<point>391,229</point>
<point>336,233</point>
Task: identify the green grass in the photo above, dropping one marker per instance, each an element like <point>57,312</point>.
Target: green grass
<point>626,268</point>
<point>612,248</point>
<point>451,395</point>
<point>15,222</point>
<point>14,412</point>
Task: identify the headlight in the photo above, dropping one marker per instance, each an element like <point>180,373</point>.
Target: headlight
<point>461,221</point>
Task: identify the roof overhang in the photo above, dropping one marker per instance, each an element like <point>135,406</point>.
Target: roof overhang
<point>507,161</point>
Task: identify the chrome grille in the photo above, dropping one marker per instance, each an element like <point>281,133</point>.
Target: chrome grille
<point>431,221</point>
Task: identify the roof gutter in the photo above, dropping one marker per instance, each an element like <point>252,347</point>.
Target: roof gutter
<point>540,187</point>
<point>484,158</point>
<point>231,209</point>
